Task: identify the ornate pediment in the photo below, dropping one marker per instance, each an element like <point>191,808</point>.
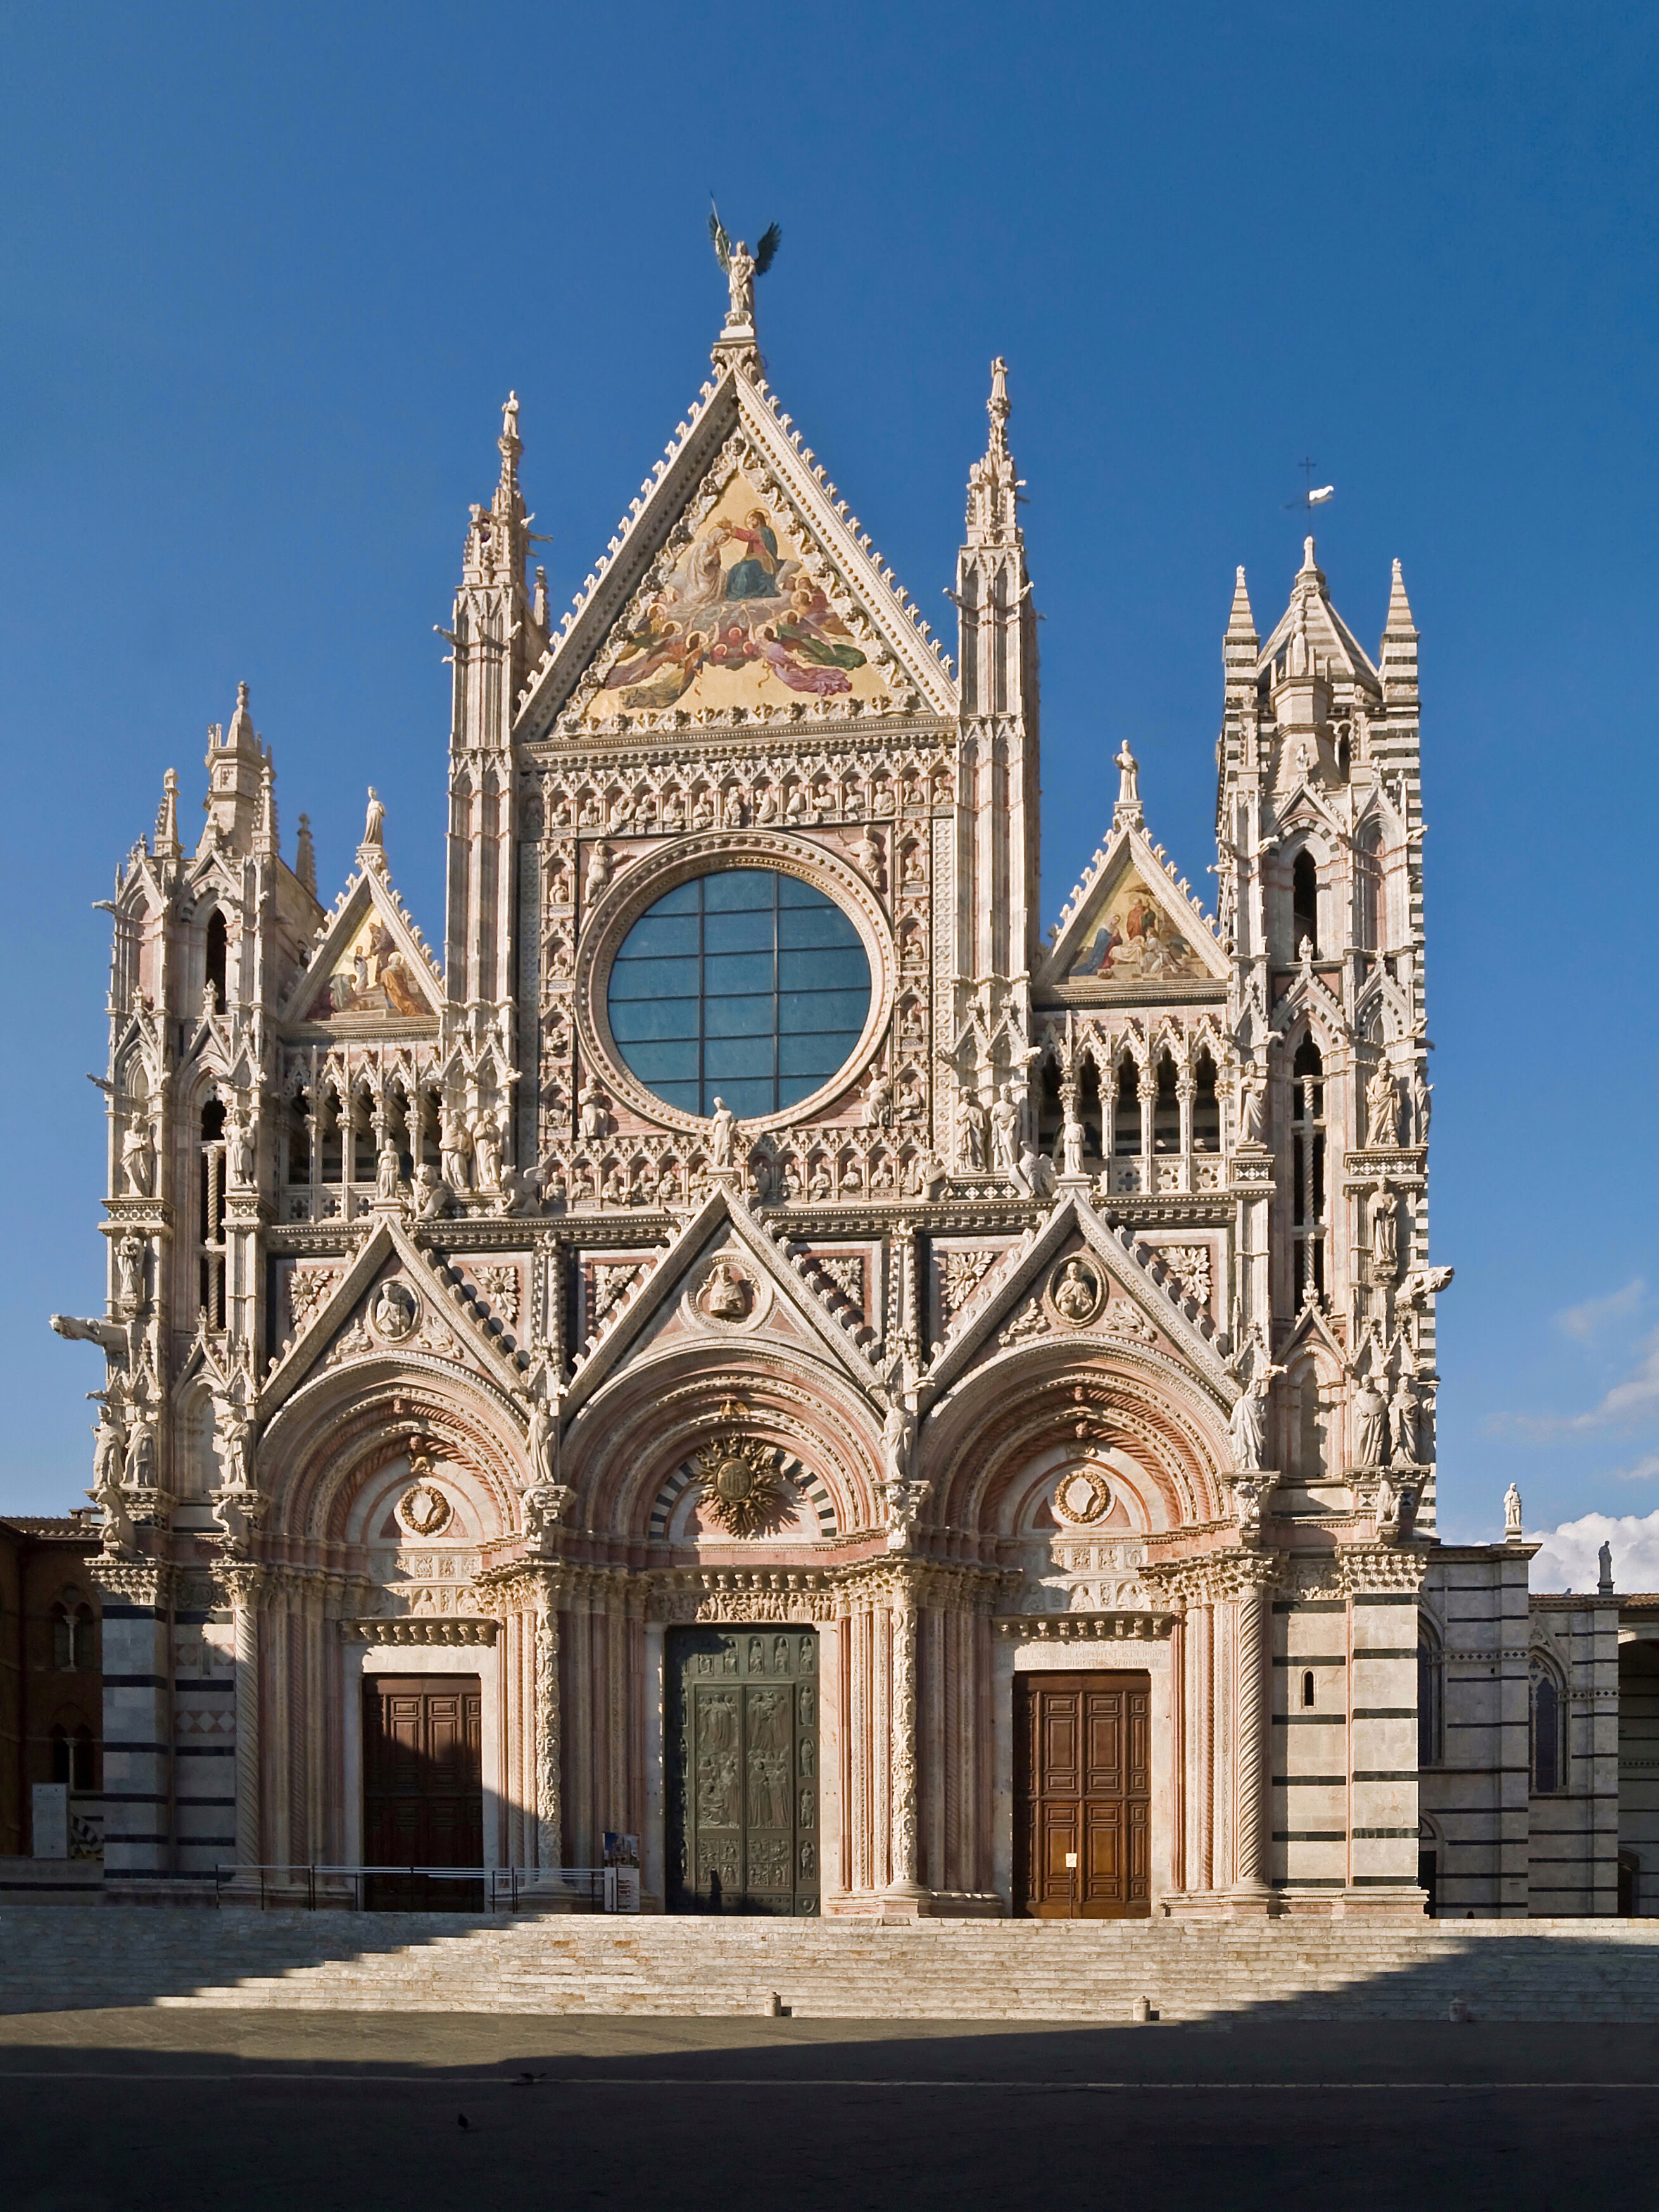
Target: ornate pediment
<point>1129,932</point>
<point>738,590</point>
<point>369,970</point>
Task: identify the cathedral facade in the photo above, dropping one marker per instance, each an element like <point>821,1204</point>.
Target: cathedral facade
<point>755,1345</point>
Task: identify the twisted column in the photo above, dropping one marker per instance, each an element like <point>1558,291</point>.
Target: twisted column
<point>244,1617</point>
<point>549,1808</point>
<point>1249,1766</point>
<point>902,1779</point>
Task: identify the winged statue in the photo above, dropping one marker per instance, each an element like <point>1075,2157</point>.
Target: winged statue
<point>741,267</point>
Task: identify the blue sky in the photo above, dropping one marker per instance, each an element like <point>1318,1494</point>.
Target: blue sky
<point>266,275</point>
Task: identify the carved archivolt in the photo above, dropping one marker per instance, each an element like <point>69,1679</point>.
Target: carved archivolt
<point>331,1435</point>
<point>983,1435</point>
<point>635,1433</point>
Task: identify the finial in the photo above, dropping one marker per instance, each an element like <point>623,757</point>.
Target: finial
<point>1310,565</point>
<point>305,857</point>
<point>166,820</point>
<point>241,698</point>
<point>264,831</point>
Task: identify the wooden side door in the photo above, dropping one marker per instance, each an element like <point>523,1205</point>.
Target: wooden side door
<point>1083,1797</point>
<point>424,1783</point>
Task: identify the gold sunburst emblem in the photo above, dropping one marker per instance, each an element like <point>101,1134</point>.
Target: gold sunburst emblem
<point>741,1492</point>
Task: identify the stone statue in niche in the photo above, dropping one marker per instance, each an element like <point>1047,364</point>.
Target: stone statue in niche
<point>455,1150</point>
<point>1005,1131</point>
<point>1385,1233</point>
<point>1252,1108</point>
<point>486,1152</point>
<point>879,1101</point>
<point>971,1120</point>
<point>599,870</point>
<point>108,1465</point>
<point>1068,1146</point>
<point>138,1157</point>
<point>238,1152</point>
<point>387,1171</point>
<point>594,1118</point>
<point>1247,1428</point>
<point>722,1137</point>
<point>1370,1425</point>
<point>1381,1108</point>
<point>1405,1421</point>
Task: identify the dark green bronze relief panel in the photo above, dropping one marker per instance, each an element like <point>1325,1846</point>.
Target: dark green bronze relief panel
<point>742,1749</point>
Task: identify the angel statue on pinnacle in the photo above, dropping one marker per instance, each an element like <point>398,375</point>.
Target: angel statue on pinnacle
<point>741,267</point>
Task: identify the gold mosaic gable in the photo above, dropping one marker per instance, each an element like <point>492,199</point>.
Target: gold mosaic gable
<point>371,978</point>
<point>1130,939</point>
<point>742,616</point>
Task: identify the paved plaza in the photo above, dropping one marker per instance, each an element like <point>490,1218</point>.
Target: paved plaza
<point>137,2110</point>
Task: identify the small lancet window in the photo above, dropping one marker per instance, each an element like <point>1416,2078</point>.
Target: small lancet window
<point>1166,1108</point>
<point>1307,1172</point>
<point>218,953</point>
<point>1126,1112</point>
<point>1368,859</point>
<point>1307,1687</point>
<point>1207,1106</point>
<point>1304,903</point>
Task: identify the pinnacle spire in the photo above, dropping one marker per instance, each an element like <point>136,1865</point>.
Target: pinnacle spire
<point>991,483</point>
<point>305,857</point>
<point>1399,622</point>
<point>1240,621</point>
<point>167,819</point>
<point>265,828</point>
<point>1397,664</point>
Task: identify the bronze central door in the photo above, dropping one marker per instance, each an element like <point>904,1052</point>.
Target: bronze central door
<point>742,1751</point>
<point>423,1787</point>
<point>1083,1797</point>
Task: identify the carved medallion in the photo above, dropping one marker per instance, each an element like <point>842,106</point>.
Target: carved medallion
<point>394,1310</point>
<point>1076,1293</point>
<point>727,1293</point>
<point>1084,1495</point>
<point>741,1493</point>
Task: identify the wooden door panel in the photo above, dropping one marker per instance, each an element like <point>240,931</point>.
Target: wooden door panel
<point>424,1783</point>
<point>1083,1795</point>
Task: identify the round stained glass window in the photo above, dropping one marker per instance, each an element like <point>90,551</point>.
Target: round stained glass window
<point>746,985</point>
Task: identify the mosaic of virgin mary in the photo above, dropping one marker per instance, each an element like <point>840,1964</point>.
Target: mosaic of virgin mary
<point>735,603</point>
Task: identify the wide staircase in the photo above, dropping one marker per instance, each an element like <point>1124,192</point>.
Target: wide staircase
<point>52,1960</point>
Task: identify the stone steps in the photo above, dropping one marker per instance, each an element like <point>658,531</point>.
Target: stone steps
<point>52,1960</point>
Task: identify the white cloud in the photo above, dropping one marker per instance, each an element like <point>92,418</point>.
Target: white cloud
<point>1628,1403</point>
<point>1586,1322</point>
<point>1643,1471</point>
<point>1568,1559</point>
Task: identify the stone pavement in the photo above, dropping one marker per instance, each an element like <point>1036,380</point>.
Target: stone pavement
<point>141,2110</point>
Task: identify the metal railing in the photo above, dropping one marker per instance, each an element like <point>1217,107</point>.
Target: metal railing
<point>395,1888</point>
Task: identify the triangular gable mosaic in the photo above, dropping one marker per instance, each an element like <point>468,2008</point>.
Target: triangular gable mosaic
<point>737,620</point>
